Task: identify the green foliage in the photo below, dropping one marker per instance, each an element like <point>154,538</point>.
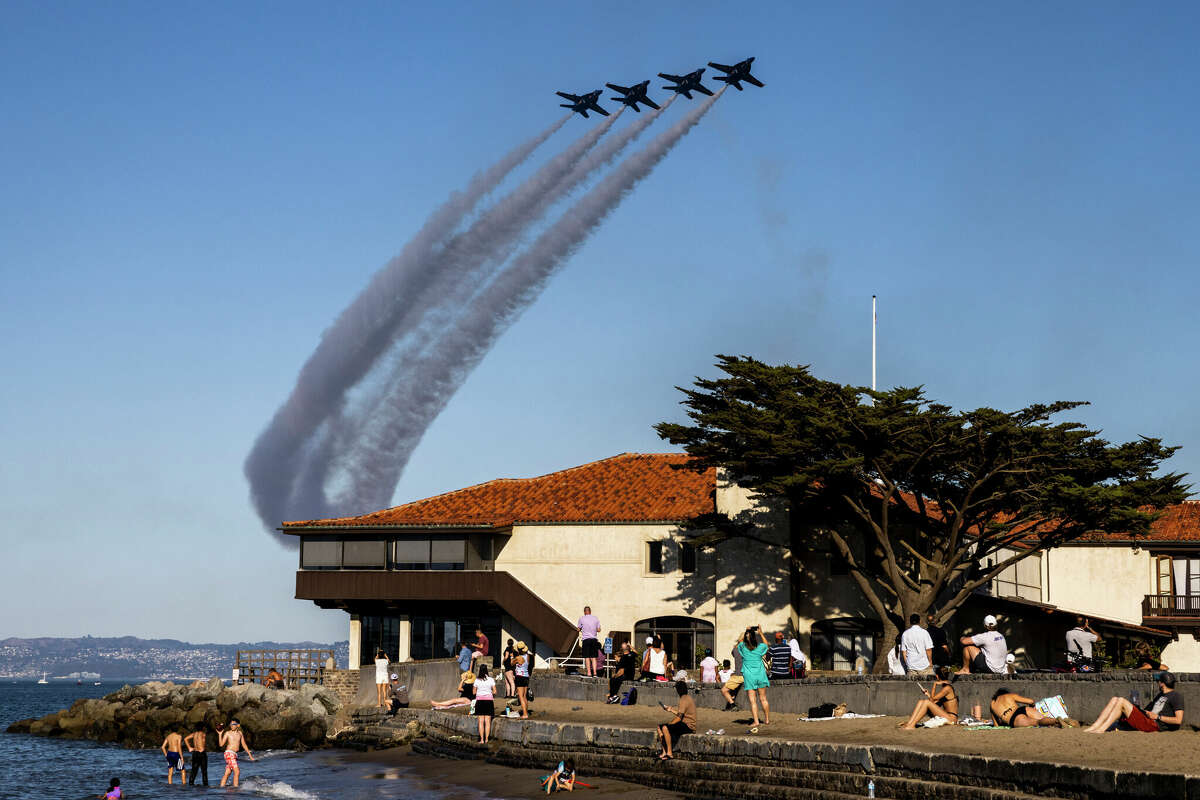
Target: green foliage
<point>914,494</point>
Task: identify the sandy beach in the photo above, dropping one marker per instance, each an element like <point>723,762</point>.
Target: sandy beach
<point>1158,752</point>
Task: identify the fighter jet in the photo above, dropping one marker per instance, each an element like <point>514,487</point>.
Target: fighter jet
<point>632,95</point>
<point>583,103</point>
<point>737,73</point>
<point>686,84</point>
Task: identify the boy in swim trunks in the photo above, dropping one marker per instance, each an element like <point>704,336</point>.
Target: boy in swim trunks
<point>172,748</point>
<point>233,740</point>
<point>1014,711</point>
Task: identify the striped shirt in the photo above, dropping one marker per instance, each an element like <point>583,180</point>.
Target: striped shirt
<point>781,656</point>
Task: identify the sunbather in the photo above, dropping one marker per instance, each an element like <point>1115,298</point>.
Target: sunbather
<point>466,693</point>
<point>941,700</point>
<point>1014,711</point>
<point>1164,713</point>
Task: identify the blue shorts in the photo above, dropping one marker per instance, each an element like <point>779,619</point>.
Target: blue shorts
<point>175,760</point>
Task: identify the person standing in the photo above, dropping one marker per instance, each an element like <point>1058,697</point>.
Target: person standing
<point>506,661</point>
<point>521,677</point>
<point>381,681</point>
<point>485,705</point>
<point>918,647</point>
<point>233,740</point>
<point>1079,642</point>
<point>172,749</point>
<point>985,652</point>
<point>589,632</point>
<point>941,643</point>
<point>753,648</point>
<point>196,744</point>
<point>780,656</point>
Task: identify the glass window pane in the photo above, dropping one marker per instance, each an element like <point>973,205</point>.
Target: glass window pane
<point>449,551</point>
<point>320,554</point>
<point>371,553</point>
<point>411,551</point>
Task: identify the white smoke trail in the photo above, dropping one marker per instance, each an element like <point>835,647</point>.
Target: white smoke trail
<point>455,272</point>
<point>344,438</point>
<point>418,392</point>
<point>347,349</point>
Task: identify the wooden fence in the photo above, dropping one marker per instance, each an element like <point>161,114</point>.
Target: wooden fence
<point>296,666</point>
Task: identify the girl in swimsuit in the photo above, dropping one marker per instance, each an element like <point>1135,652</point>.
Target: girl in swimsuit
<point>942,701</point>
<point>114,790</point>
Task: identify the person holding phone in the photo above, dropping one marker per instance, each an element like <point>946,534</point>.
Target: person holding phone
<point>683,722</point>
<point>753,648</point>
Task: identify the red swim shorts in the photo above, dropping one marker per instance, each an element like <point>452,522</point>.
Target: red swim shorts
<point>1138,719</point>
<point>231,759</point>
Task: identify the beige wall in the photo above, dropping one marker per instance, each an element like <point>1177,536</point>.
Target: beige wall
<point>1182,655</point>
<point>1105,581</point>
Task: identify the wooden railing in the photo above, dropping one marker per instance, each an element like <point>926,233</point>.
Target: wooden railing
<point>296,666</point>
<point>1171,605</point>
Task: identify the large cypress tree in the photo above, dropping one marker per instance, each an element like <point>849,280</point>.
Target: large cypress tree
<point>930,493</point>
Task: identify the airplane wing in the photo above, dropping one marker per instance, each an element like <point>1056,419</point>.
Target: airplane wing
<point>704,89</point>
<point>615,88</point>
<point>754,80</point>
<point>574,98</point>
<point>597,109</point>
<point>722,67</point>
<point>651,103</point>
<point>668,76</point>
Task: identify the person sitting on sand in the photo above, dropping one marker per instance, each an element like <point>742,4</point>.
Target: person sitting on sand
<point>466,692</point>
<point>941,700</point>
<point>985,653</point>
<point>1015,711</point>
<point>683,722</point>
<point>1144,657</point>
<point>114,790</point>
<point>563,777</point>
<point>1164,713</point>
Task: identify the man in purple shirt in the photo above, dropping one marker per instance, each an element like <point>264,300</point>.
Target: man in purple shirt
<point>589,631</point>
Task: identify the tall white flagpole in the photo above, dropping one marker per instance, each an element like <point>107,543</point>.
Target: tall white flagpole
<point>874,319</point>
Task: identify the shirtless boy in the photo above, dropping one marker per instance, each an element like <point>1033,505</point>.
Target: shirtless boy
<point>172,748</point>
<point>195,743</point>
<point>233,740</point>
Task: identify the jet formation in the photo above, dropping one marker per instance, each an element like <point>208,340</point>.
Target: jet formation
<point>631,96</point>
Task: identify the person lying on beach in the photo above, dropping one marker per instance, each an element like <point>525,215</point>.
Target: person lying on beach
<point>114,791</point>
<point>563,777</point>
<point>1164,713</point>
<point>683,722</point>
<point>941,700</point>
<point>1014,711</point>
<point>466,692</point>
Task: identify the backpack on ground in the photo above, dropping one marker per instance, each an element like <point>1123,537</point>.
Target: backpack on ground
<point>629,698</point>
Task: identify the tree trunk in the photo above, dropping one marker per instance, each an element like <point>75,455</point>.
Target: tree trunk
<point>887,641</point>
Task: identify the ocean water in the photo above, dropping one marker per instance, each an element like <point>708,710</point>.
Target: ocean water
<point>57,769</point>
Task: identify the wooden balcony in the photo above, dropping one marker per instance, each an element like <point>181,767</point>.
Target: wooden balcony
<point>333,588</point>
<point>1171,609</point>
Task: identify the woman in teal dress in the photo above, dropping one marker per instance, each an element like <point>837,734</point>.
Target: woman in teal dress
<point>753,648</point>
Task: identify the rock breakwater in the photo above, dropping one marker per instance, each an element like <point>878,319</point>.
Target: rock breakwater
<point>142,715</point>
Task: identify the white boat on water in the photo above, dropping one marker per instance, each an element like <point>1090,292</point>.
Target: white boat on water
<point>43,680</point>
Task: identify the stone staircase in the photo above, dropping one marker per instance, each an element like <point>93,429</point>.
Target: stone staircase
<point>371,728</point>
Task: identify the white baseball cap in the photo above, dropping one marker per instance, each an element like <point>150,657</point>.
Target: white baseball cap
<point>1010,658</point>
<point>989,620</point>
<point>649,640</point>
<point>395,677</point>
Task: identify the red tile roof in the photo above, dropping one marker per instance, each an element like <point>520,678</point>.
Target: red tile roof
<point>631,487</point>
<point>1178,523</point>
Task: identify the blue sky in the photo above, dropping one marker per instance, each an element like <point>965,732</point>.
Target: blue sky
<point>192,191</point>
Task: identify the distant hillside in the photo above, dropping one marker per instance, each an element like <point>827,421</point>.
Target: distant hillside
<point>129,657</point>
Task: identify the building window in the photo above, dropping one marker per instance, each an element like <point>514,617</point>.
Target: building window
<point>687,558</point>
<point>320,553</point>
<point>838,643</point>
<point>654,558</point>
<point>435,554</point>
<point>685,639</point>
<point>380,633</point>
<point>364,554</point>
<point>1023,579</point>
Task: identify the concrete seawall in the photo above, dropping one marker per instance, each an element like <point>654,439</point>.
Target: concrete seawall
<point>749,767</point>
<point>1085,695</point>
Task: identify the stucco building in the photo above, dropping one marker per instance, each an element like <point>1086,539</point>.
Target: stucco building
<point>520,558</point>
